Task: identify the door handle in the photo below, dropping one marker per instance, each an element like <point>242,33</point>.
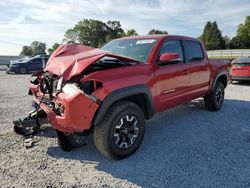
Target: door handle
<point>185,72</point>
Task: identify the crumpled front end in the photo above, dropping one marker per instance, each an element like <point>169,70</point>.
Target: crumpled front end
<point>68,108</point>
<point>64,91</point>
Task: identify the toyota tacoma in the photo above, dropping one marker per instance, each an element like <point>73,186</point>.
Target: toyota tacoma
<point>111,91</point>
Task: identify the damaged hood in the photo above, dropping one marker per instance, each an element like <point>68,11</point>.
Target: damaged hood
<point>71,59</point>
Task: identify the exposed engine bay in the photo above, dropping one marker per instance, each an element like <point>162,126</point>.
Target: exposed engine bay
<point>51,85</point>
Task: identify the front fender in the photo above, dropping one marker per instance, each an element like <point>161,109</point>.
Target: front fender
<point>123,93</point>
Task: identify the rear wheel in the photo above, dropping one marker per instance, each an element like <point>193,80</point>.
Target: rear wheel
<point>121,132</point>
<point>215,99</point>
<point>23,70</point>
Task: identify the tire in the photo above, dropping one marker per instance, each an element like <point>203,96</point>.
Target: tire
<point>121,131</point>
<point>68,142</point>
<point>23,70</point>
<point>214,101</point>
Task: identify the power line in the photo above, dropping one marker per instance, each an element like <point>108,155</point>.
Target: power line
<point>12,43</point>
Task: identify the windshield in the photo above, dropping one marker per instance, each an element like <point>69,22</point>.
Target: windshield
<point>138,49</point>
<point>241,60</point>
<point>24,58</point>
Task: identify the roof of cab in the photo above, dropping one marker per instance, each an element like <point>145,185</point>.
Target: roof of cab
<point>160,36</point>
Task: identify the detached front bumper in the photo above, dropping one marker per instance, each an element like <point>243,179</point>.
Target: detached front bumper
<point>75,110</point>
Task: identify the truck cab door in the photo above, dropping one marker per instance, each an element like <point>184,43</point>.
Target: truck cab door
<point>172,79</point>
<point>198,68</point>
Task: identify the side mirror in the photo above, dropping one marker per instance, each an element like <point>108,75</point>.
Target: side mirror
<point>169,57</point>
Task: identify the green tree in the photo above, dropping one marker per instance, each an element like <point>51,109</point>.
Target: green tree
<point>53,48</point>
<point>26,51</point>
<point>227,41</point>
<point>207,35</point>
<point>71,36</point>
<point>35,48</point>
<point>238,43</point>
<point>156,31</point>
<point>114,30</point>
<point>131,32</point>
<point>242,38</point>
<point>88,32</point>
<point>38,48</point>
<point>93,32</point>
<point>212,37</point>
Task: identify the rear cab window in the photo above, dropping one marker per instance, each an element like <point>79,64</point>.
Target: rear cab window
<point>194,51</point>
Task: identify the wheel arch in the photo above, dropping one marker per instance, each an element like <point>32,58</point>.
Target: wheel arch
<point>22,66</point>
<point>139,94</point>
<point>223,77</point>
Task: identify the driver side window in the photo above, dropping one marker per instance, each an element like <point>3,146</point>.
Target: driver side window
<point>173,46</point>
<point>37,60</point>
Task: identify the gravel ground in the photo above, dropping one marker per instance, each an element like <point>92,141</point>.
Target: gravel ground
<point>184,147</point>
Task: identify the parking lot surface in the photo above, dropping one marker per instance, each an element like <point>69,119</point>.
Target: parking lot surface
<point>187,146</point>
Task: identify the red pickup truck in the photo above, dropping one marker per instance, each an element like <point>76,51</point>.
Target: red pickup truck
<point>111,91</point>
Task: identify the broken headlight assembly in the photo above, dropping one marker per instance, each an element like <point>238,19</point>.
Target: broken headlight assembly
<point>89,86</point>
<point>85,88</point>
<point>59,85</point>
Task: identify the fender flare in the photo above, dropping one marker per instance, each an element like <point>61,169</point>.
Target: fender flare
<point>118,94</point>
<point>222,73</point>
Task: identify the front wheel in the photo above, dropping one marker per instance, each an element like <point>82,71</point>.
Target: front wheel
<point>121,132</point>
<point>68,142</point>
<point>23,70</point>
<point>214,101</point>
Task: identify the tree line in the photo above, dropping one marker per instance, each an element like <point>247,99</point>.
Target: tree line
<point>89,32</point>
<point>213,39</point>
<point>96,33</point>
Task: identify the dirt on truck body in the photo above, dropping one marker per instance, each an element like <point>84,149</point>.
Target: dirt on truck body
<point>111,91</point>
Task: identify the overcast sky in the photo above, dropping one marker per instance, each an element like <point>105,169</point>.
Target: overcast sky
<point>23,21</point>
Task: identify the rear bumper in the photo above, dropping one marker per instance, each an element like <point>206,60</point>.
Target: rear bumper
<point>241,72</point>
<point>77,110</point>
<point>240,78</point>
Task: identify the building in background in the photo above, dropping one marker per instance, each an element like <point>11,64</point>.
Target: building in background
<point>5,60</point>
